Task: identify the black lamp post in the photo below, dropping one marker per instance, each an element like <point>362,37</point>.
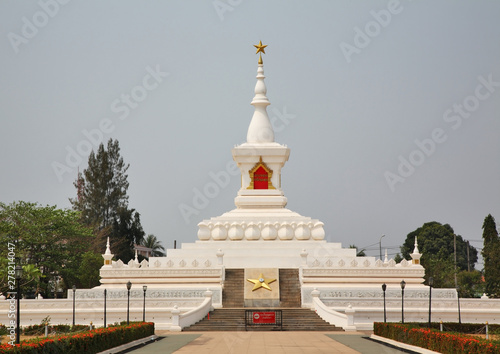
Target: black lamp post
<point>384,287</point>
<point>18,275</point>
<point>144,288</point>
<point>105,293</point>
<point>74,291</point>
<point>129,285</point>
<point>403,284</point>
<point>431,281</point>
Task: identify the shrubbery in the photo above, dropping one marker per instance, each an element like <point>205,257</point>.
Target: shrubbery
<point>88,342</point>
<point>38,330</point>
<point>443,342</point>
<point>467,328</point>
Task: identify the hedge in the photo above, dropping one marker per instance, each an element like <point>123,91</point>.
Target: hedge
<point>470,328</point>
<point>89,342</point>
<point>446,343</point>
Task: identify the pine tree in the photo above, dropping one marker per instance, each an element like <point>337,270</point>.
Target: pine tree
<point>102,188</point>
<point>491,255</point>
<point>103,201</point>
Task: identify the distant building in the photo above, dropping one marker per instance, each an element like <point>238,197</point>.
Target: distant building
<point>143,251</point>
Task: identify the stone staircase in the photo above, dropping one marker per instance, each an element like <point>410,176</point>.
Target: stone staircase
<point>289,288</point>
<point>294,319</point>
<point>232,294</point>
<point>232,316</point>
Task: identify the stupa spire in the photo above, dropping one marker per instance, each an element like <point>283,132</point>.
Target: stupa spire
<point>415,256</point>
<point>108,256</point>
<point>260,129</point>
<point>108,249</point>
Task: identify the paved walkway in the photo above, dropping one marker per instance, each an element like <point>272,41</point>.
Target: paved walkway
<point>264,343</point>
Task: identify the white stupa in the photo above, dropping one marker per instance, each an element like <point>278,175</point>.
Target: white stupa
<point>261,245</point>
<point>260,231</point>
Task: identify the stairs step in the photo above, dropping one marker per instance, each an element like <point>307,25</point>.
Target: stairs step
<point>232,294</point>
<point>289,288</point>
<point>294,319</point>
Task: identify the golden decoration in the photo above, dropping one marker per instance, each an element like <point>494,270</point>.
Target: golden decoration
<point>261,282</point>
<point>260,49</point>
<point>267,169</point>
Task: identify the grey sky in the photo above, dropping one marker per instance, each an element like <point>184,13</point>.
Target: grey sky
<point>348,115</point>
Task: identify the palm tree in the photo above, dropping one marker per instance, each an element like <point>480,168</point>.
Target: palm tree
<point>157,250</point>
<point>360,253</point>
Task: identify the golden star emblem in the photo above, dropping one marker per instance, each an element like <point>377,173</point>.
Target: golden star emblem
<point>261,282</point>
<point>260,48</point>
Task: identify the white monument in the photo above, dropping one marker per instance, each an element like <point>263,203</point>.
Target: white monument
<point>261,237</point>
<point>261,254</point>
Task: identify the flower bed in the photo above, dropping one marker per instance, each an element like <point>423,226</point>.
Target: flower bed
<point>89,342</point>
<point>443,342</point>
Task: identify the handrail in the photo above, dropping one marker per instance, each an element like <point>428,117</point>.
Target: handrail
<point>346,321</point>
<point>180,321</point>
<point>197,314</point>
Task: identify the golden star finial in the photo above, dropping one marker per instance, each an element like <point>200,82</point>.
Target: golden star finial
<point>261,282</point>
<point>260,49</point>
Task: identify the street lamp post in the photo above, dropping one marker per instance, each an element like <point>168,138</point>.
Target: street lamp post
<point>458,300</point>
<point>380,245</point>
<point>105,293</point>
<point>144,288</point>
<point>18,275</point>
<point>431,281</point>
<point>384,287</point>
<point>403,284</point>
<point>129,285</point>
<point>74,291</point>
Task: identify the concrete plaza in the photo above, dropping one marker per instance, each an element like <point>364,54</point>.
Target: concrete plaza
<point>264,343</point>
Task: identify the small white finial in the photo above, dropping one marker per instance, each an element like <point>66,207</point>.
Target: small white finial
<point>136,258</point>
<point>108,249</point>
<point>415,256</point>
<point>107,255</point>
<point>386,260</point>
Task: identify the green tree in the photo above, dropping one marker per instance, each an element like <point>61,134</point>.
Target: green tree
<point>471,284</point>
<point>491,255</point>
<point>48,242</point>
<point>102,187</point>
<point>29,282</point>
<point>88,272</point>
<point>152,242</point>
<point>436,244</point>
<point>103,201</point>
<point>126,230</point>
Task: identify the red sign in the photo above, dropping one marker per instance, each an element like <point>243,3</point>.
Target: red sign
<point>264,317</point>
